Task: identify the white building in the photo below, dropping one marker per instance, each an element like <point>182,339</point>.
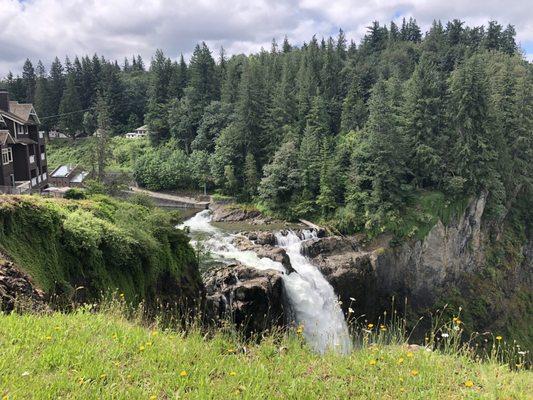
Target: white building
<point>139,133</point>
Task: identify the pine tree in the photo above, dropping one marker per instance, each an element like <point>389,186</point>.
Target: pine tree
<point>55,89</point>
<point>71,114</point>
<point>473,154</point>
<point>29,78</point>
<point>251,179</point>
<point>102,141</point>
<point>354,112</point>
<point>41,101</point>
<point>425,123</point>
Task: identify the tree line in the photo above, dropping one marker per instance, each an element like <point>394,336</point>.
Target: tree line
<point>330,128</point>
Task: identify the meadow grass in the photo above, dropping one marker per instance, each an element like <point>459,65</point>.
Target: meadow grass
<point>103,355</point>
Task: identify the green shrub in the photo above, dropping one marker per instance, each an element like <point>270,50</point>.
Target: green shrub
<point>75,194</point>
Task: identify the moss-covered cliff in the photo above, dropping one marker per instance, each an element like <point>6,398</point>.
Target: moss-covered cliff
<point>83,249</point>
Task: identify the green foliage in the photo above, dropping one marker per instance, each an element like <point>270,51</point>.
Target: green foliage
<point>116,358</point>
<point>75,194</point>
<point>99,244</point>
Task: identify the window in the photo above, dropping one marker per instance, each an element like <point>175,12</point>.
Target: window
<point>7,156</point>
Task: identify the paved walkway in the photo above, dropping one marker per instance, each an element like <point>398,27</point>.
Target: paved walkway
<point>180,200</point>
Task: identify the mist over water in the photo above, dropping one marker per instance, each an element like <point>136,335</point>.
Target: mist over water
<point>310,296</point>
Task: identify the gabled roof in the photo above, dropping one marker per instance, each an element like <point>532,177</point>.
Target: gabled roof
<point>142,128</point>
<point>5,138</point>
<point>63,171</point>
<point>2,119</point>
<point>24,111</point>
<point>13,117</point>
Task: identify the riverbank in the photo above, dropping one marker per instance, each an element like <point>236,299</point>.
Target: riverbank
<point>86,355</point>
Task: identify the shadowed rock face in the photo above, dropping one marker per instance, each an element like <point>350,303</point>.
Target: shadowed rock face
<point>251,298</point>
<point>17,290</point>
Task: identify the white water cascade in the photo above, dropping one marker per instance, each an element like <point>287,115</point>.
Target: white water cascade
<point>309,294</point>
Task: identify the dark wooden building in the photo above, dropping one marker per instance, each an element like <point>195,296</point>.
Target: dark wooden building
<point>24,166</point>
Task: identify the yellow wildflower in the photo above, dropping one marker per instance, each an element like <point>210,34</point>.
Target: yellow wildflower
<point>414,372</point>
<point>372,362</point>
<point>5,397</point>
<point>121,295</point>
<point>300,330</point>
<point>148,344</point>
<point>469,383</point>
<point>402,389</point>
<point>498,338</point>
<point>232,373</point>
<point>103,376</point>
<point>400,360</point>
<point>410,354</point>
<point>153,333</point>
<point>370,326</point>
<point>183,373</point>
<point>49,338</point>
<point>141,348</point>
<point>153,397</point>
<point>231,351</point>
<point>57,328</point>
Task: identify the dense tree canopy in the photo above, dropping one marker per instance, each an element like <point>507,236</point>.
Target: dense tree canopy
<point>325,127</point>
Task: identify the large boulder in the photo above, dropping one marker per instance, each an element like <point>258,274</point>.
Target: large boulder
<point>251,298</point>
<point>267,250</point>
<point>17,290</point>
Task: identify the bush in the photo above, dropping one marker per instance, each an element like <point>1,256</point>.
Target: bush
<point>75,194</point>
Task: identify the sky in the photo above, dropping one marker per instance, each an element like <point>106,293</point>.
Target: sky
<point>43,29</point>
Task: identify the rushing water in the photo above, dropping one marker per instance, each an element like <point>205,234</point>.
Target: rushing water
<point>311,297</point>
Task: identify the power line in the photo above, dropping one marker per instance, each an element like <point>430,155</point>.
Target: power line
<point>72,112</point>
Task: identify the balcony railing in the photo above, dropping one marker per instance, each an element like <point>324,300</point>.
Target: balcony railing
<point>32,159</point>
<point>43,156</point>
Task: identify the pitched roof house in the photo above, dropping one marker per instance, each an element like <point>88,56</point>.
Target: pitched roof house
<point>23,166</point>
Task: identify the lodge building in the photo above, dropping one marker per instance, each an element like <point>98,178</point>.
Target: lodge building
<point>23,168</point>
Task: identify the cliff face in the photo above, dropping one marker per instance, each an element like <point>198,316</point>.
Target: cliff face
<point>455,264</point>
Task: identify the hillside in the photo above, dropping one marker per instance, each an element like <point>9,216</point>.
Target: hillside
<point>85,355</point>
<point>79,250</point>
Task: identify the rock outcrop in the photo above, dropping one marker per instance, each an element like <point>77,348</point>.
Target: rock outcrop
<point>251,298</point>
<point>263,248</point>
<point>17,291</point>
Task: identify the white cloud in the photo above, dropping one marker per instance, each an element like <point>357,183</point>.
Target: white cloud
<point>42,29</point>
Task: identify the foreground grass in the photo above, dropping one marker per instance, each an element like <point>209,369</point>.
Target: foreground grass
<point>103,356</point>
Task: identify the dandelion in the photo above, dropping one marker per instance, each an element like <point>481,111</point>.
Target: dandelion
<point>231,351</point>
<point>457,321</point>
<point>400,360</point>
<point>148,344</point>
<point>382,328</point>
<point>499,338</point>
<point>300,330</point>
<point>372,362</point>
<point>153,333</point>
<point>232,373</point>
<point>370,326</point>
<point>49,338</point>
<point>122,296</point>
<point>103,376</point>
<point>183,373</point>
<point>141,348</point>
<point>5,397</point>
<point>153,397</point>
<point>350,310</point>
<point>414,372</point>
<point>410,354</point>
<point>469,384</point>
<point>57,328</point>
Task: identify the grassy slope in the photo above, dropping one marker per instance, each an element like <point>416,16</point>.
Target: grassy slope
<point>89,356</point>
<point>65,151</point>
<point>101,244</point>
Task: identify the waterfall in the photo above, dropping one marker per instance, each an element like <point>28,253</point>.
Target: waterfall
<point>309,294</point>
<point>312,299</point>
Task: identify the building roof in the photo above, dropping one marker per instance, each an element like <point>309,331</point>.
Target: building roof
<point>80,177</point>
<point>5,137</point>
<point>142,128</point>
<point>24,111</point>
<point>25,141</point>
<point>12,117</point>
<point>63,171</point>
